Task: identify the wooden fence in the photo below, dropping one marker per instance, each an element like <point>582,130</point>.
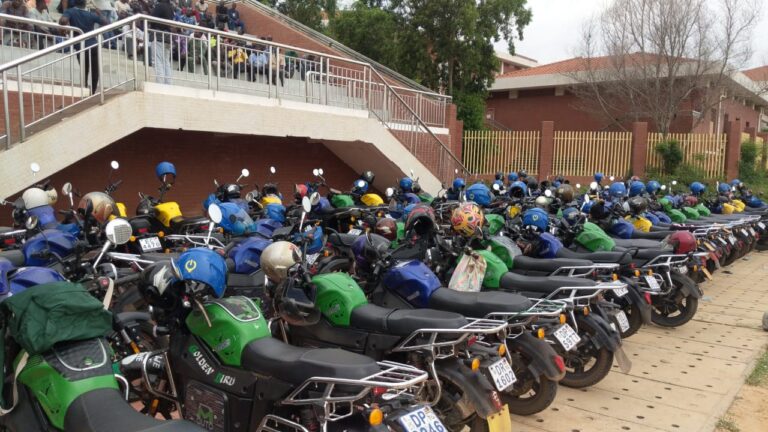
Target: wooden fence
<point>706,151</point>
<point>488,152</point>
<point>585,153</point>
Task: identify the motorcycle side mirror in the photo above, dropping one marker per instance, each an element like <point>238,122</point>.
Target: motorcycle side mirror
<point>456,171</point>
<point>320,170</point>
<point>245,172</point>
<point>114,164</point>
<point>360,183</point>
<point>249,197</point>
<point>31,222</point>
<point>586,198</point>
<point>663,187</point>
<point>733,189</point>
<point>593,186</point>
<point>272,170</point>
<point>66,189</point>
<point>214,212</point>
<point>496,187</point>
<point>314,199</point>
<point>578,185</point>
<point>118,231</point>
<point>411,173</point>
<point>315,172</point>
<point>390,192</point>
<point>674,182</point>
<point>306,204</point>
<point>547,193</point>
<point>34,167</point>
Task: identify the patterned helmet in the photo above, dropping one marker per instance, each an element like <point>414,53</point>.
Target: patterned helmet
<point>467,219</point>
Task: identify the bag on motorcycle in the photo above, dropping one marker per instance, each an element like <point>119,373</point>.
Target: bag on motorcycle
<point>469,273</point>
<point>594,238</point>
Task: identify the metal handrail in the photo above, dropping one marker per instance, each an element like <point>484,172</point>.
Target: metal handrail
<point>5,17</point>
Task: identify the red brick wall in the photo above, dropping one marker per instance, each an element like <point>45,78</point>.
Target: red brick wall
<point>29,114</point>
<point>199,158</point>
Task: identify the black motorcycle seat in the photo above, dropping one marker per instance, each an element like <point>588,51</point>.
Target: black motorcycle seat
<point>15,256</point>
<point>295,364</point>
<point>653,235</point>
<point>598,257</point>
<point>523,262</point>
<point>191,220</point>
<point>637,243</point>
<point>342,240</point>
<point>403,322</point>
<point>478,304</point>
<point>649,254</point>
<point>104,410</point>
<point>159,256</point>
<point>540,284</point>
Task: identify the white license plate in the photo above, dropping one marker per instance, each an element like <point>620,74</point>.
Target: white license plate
<point>150,244</point>
<point>732,239</point>
<point>752,231</point>
<point>761,225</point>
<point>653,284</point>
<point>567,337</point>
<point>354,231</point>
<point>422,420</point>
<point>502,374</point>
<point>311,258</point>
<point>621,318</point>
<point>621,292</point>
<point>722,240</point>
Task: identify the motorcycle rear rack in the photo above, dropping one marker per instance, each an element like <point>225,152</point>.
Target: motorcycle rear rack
<point>446,348</point>
<point>198,240</point>
<point>396,378</point>
<point>541,308</point>
<point>273,423</point>
<point>582,296</point>
<point>584,271</point>
<point>669,260</point>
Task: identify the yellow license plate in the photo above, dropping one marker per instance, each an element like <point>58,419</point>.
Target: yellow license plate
<point>500,422</point>
<point>707,273</point>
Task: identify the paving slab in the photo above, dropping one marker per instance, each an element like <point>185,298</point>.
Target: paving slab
<point>682,379</point>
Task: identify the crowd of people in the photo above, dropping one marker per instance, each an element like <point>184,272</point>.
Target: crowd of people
<point>169,47</point>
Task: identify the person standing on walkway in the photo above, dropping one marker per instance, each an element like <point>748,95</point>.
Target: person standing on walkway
<point>86,21</point>
<point>161,42</point>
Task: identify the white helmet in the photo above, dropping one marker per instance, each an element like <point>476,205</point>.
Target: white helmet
<point>277,258</point>
<point>53,196</point>
<point>35,197</point>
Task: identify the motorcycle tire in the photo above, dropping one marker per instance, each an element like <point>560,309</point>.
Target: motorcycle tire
<point>453,402</point>
<point>675,301</point>
<point>544,392</point>
<point>599,360</point>
<point>635,322</point>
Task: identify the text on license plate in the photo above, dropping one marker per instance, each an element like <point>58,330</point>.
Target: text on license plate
<point>621,318</point>
<point>621,292</point>
<point>502,374</point>
<point>150,244</point>
<point>354,231</point>
<point>653,284</point>
<point>567,337</point>
<point>422,420</point>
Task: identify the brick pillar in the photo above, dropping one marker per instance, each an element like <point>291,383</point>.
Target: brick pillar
<point>639,148</point>
<point>752,133</point>
<point>546,148</point>
<point>732,149</point>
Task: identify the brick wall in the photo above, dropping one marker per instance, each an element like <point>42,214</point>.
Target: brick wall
<point>199,158</point>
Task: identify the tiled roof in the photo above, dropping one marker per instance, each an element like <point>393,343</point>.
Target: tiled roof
<point>577,64</point>
<point>757,74</point>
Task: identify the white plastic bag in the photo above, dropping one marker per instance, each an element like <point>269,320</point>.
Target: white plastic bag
<point>469,273</point>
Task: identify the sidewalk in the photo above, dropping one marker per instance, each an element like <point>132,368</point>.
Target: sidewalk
<point>682,379</point>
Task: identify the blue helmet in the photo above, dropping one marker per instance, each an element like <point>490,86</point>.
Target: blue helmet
<point>636,188</point>
<point>203,266</point>
<point>459,183</point>
<point>623,229</point>
<point>537,218</point>
<point>723,188</point>
<point>617,190</point>
<point>518,189</point>
<point>165,168</point>
<point>512,177</point>
<point>406,184</point>
<point>652,187</point>
<point>27,277</point>
<point>556,184</point>
<point>360,186</point>
<point>735,182</point>
<point>599,177</point>
<point>697,188</point>
<point>480,194</point>
<point>571,215</point>
<point>276,212</point>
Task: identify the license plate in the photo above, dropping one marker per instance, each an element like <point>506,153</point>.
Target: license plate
<point>732,239</point>
<point>150,244</point>
<point>722,240</point>
<point>501,421</point>
<point>311,258</point>
<point>502,374</point>
<point>761,225</point>
<point>422,420</point>
<point>621,318</point>
<point>621,292</point>
<point>709,246</point>
<point>752,231</point>
<point>354,231</point>
<point>567,337</point>
<point>653,284</point>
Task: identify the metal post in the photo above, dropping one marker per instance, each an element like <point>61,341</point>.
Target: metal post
<point>278,72</point>
<point>208,59</point>
<point>218,61</point>
<point>269,72</point>
<point>370,88</point>
<point>418,110</point>
<point>135,59</point>
<point>327,80</point>
<point>20,80</point>
<point>146,50</point>
<point>320,79</point>
<point>99,40</point>
<point>7,111</point>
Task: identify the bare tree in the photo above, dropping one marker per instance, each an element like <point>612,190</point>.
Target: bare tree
<point>652,59</point>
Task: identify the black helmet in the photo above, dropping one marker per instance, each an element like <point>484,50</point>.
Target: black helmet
<point>565,193</point>
<point>368,176</point>
<point>638,204</point>
<point>499,175</point>
<point>533,184</point>
<point>522,174</point>
<point>416,188</point>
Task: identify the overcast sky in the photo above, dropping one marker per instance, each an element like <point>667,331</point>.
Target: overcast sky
<point>554,31</point>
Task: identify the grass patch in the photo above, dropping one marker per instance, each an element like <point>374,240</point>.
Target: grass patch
<point>726,424</point>
<point>759,375</point>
